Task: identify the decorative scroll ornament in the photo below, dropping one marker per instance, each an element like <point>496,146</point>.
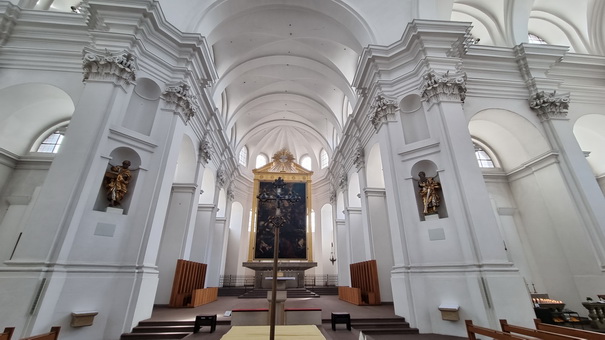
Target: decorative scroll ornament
<point>358,159</point>
<point>549,105</point>
<point>182,98</point>
<point>221,178</point>
<point>283,161</point>
<point>118,67</point>
<point>443,87</point>
<point>381,108</point>
<point>205,151</point>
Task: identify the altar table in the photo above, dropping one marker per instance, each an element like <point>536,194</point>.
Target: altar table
<point>297,332</point>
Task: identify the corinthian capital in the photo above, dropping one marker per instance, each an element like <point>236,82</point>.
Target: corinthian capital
<point>443,87</point>
<point>180,96</point>
<point>549,105</point>
<point>118,67</point>
<point>381,109</point>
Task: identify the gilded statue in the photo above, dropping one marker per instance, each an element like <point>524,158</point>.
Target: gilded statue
<point>428,193</point>
<point>116,183</point>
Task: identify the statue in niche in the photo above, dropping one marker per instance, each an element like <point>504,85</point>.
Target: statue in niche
<point>116,183</point>
<point>428,193</point>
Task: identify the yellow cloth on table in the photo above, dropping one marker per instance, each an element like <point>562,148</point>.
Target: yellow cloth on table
<point>307,332</point>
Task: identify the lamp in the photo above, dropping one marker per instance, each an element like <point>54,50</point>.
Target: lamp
<point>332,258</point>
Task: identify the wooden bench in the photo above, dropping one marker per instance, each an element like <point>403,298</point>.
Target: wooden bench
<point>580,333</point>
<point>302,316</point>
<point>7,334</point>
<point>536,333</point>
<point>471,330</point>
<point>52,335</point>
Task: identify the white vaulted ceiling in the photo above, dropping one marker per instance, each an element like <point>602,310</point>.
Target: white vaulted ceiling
<point>285,66</point>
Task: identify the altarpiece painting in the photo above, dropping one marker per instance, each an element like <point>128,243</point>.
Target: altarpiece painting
<point>294,235</point>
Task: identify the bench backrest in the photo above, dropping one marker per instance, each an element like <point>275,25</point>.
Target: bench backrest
<point>7,334</point>
<point>52,335</point>
<point>492,333</point>
<point>540,334</point>
<point>569,331</point>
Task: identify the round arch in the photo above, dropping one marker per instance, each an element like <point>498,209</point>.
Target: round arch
<point>512,137</point>
<point>208,187</point>
<point>590,133</point>
<point>29,110</point>
<point>374,174</point>
<point>186,166</point>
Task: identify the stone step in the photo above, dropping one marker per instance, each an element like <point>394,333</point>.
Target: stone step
<point>162,329</point>
<point>154,336</point>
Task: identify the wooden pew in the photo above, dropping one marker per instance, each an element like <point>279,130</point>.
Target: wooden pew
<point>580,333</point>
<point>471,330</point>
<point>52,335</point>
<point>536,333</point>
<point>7,334</point>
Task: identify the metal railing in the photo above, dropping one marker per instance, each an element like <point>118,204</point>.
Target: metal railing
<point>326,280</point>
<point>236,281</point>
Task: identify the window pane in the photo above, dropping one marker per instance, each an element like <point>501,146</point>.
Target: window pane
<point>484,160</point>
<point>52,143</point>
<point>323,155</point>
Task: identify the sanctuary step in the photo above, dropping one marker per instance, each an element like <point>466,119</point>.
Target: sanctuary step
<point>293,293</point>
<point>375,326</point>
<point>164,330</point>
<point>233,291</point>
<point>324,290</point>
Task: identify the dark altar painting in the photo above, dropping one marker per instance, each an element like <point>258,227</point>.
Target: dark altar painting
<point>293,234</point>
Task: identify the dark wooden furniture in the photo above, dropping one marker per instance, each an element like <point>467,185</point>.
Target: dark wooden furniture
<point>205,320</point>
<point>52,335</point>
<point>7,334</point>
<point>341,317</point>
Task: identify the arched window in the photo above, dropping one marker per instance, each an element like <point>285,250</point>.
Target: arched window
<point>324,161</point>
<point>534,39</point>
<point>484,159</point>
<point>52,142</point>
<point>306,163</point>
<point>243,156</point>
<point>261,160</point>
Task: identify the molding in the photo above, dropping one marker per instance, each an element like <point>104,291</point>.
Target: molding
<point>8,158</point>
<point>185,188</point>
<point>531,166</point>
<point>128,137</point>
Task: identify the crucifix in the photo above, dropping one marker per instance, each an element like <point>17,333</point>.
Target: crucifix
<point>276,222</point>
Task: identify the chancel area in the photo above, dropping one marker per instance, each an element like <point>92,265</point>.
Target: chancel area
<point>443,159</point>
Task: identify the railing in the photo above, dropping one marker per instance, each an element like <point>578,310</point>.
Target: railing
<point>236,281</point>
<point>326,280</point>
